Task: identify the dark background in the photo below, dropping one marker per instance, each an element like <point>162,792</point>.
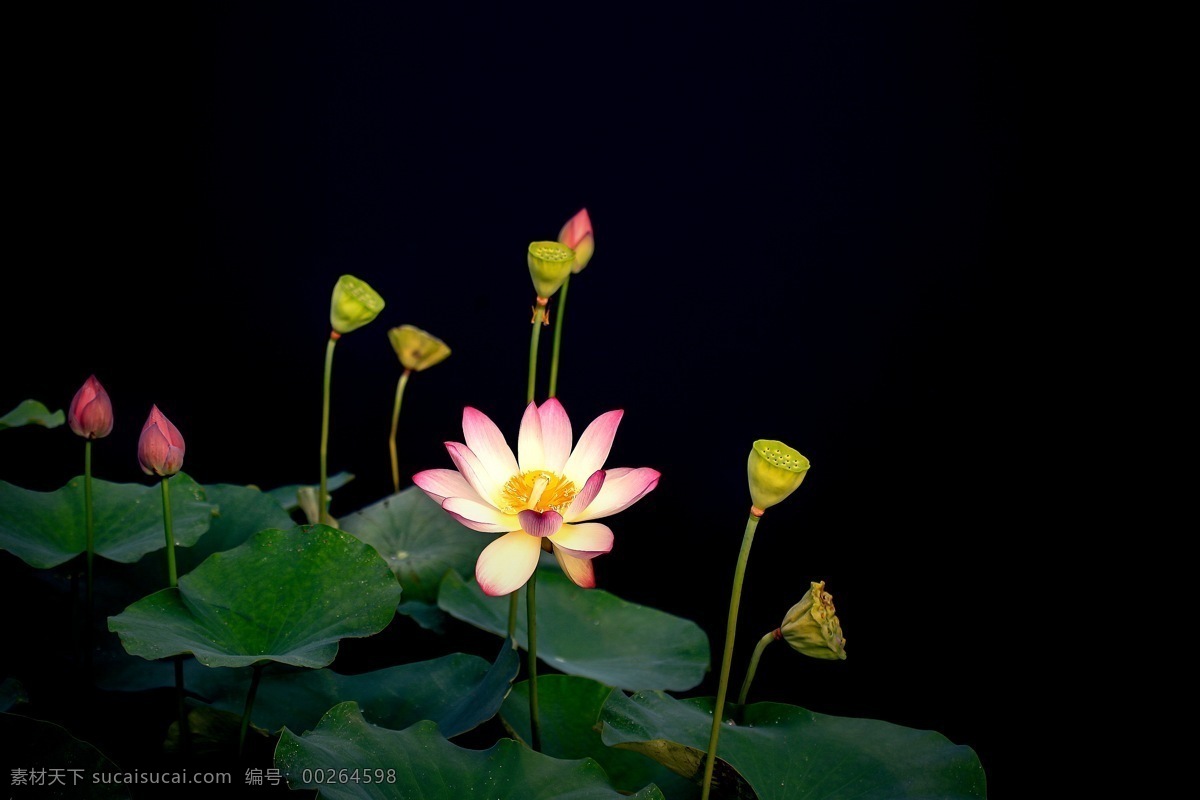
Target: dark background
<point>810,227</point>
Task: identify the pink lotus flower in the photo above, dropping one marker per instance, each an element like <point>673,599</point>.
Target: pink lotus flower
<point>160,447</point>
<point>91,413</point>
<point>577,235</point>
<point>542,498</point>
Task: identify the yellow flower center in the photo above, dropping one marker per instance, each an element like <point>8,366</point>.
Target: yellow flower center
<point>538,490</point>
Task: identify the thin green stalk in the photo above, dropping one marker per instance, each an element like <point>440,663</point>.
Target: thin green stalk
<point>90,524</point>
<point>255,676</point>
<point>538,315</point>
<point>558,323</point>
<point>395,426</point>
<point>535,725</point>
<point>172,578</point>
<point>727,659</point>
<point>91,530</point>
<point>173,582</point>
<point>758,651</point>
<point>323,493</point>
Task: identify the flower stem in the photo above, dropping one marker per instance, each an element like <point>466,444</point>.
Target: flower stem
<point>535,725</point>
<point>90,524</point>
<point>395,425</point>
<point>727,659</point>
<point>173,582</point>
<point>758,651</point>
<point>87,506</point>
<point>172,577</point>
<point>254,679</point>
<point>538,315</point>
<point>558,323</point>
<point>323,494</point>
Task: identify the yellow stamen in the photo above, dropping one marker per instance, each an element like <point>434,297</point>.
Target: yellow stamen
<point>538,490</point>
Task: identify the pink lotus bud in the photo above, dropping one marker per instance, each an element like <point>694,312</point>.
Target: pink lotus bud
<point>91,414</point>
<point>160,448</point>
<point>577,235</point>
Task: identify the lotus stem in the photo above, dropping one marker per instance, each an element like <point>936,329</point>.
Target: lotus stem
<point>535,725</point>
<point>539,314</point>
<point>173,582</point>
<point>758,651</point>
<point>90,525</point>
<point>395,426</point>
<point>727,659</point>
<point>168,527</point>
<point>531,587</point>
<point>323,493</point>
<point>255,677</point>
<point>558,325</point>
<point>89,518</point>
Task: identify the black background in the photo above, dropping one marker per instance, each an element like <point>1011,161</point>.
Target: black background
<point>809,227</point>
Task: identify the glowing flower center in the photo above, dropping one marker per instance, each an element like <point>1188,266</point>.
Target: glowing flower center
<point>538,490</point>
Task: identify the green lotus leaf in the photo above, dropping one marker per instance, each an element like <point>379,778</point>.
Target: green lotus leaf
<point>347,758</point>
<point>285,596</point>
<point>420,541</point>
<point>568,708</point>
<point>591,633</point>
<point>783,751</point>
<point>242,512</point>
<point>427,615</point>
<point>45,529</point>
<point>31,412</point>
<point>483,700</point>
<point>69,762</point>
<point>457,691</point>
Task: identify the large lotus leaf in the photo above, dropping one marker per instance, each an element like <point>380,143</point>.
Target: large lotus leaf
<point>457,691</point>
<point>31,412</point>
<point>427,615</point>
<point>287,496</point>
<point>483,701</point>
<point>285,596</point>
<point>242,512</point>
<point>420,541</point>
<point>347,758</point>
<point>784,751</point>
<point>69,764</point>
<point>591,633</point>
<point>394,697</point>
<point>568,708</point>
<point>46,529</point>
